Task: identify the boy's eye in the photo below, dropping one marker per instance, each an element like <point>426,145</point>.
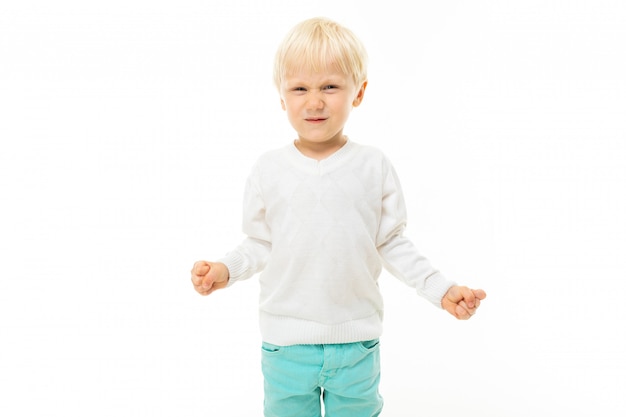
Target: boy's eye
<point>329,87</point>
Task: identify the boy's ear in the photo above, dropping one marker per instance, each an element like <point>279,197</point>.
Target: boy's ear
<point>282,104</point>
<point>359,96</point>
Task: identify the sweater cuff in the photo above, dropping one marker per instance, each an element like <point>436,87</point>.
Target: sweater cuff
<point>236,265</point>
<point>435,287</point>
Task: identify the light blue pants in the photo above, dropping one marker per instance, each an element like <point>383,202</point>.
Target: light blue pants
<point>344,376</point>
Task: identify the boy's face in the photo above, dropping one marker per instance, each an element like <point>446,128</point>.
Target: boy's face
<point>318,105</point>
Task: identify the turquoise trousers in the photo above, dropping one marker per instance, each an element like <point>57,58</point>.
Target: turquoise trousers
<point>341,378</point>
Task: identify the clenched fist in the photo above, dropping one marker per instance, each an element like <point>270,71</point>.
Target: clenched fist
<point>209,276</point>
<point>462,302</point>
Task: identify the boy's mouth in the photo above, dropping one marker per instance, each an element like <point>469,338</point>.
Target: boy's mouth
<point>315,119</point>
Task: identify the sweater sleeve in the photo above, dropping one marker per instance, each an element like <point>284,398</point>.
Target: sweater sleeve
<point>398,253</point>
<point>252,253</point>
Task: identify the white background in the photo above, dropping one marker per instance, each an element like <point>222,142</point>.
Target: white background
<point>127,130</point>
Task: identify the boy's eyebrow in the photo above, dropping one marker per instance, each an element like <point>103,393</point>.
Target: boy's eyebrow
<point>327,80</point>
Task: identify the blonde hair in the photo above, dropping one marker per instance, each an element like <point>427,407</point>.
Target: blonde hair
<point>316,43</point>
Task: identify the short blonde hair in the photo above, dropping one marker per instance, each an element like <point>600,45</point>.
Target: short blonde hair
<point>314,44</point>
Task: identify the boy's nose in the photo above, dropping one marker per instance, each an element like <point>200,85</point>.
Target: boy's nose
<point>315,101</point>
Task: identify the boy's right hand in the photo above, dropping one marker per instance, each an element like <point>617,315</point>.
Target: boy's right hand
<point>209,276</point>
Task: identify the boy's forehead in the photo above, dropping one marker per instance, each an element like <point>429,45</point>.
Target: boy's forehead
<point>309,73</point>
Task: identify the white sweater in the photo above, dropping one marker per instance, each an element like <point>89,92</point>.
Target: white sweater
<point>320,232</point>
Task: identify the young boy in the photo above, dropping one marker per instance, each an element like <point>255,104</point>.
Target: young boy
<point>322,216</point>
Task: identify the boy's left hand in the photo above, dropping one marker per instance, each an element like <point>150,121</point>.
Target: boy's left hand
<point>462,302</point>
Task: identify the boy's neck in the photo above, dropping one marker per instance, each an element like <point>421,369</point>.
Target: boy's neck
<point>320,150</point>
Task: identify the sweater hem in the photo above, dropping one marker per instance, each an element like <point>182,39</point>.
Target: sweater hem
<point>286,331</point>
